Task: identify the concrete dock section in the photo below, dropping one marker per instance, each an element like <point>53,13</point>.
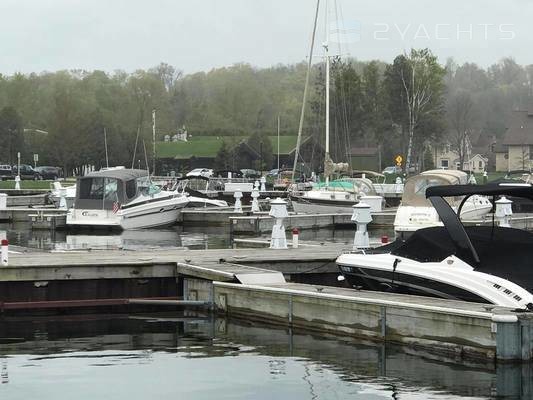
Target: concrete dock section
<point>261,284</point>
<point>451,328</point>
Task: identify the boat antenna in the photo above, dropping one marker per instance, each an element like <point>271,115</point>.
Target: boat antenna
<point>304,101</point>
<point>135,148</point>
<point>105,144</point>
<point>146,158</point>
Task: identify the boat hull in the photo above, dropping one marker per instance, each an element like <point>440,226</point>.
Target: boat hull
<point>337,203</point>
<point>308,207</point>
<point>450,279</point>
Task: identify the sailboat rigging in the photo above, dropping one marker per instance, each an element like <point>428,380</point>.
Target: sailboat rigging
<point>341,196</point>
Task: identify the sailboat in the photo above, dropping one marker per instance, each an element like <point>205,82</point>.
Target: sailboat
<point>332,197</point>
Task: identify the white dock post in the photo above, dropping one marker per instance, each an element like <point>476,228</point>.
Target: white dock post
<point>17,182</point>
<point>362,217</point>
<point>256,185</point>
<point>3,201</point>
<point>4,254</point>
<point>278,210</point>
<point>263,181</point>
<point>504,210</point>
<point>238,205</point>
<point>63,198</point>
<point>255,202</point>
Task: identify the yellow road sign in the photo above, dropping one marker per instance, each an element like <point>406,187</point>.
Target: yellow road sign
<point>398,159</point>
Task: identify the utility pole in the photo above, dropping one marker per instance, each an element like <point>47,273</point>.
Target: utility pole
<point>261,156</point>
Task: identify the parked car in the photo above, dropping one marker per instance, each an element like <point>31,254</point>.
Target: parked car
<point>250,173</point>
<point>224,173</point>
<point>6,172</point>
<point>26,172</point>
<point>205,172</point>
<point>395,169</point>
<point>49,172</point>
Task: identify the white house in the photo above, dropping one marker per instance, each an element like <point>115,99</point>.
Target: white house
<point>476,164</point>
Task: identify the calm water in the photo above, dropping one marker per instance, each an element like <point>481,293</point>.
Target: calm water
<point>158,357</point>
<point>198,238</point>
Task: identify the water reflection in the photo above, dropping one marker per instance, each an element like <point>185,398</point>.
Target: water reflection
<point>195,238</point>
<point>201,357</point>
<point>21,234</point>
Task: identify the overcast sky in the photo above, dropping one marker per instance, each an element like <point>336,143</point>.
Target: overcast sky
<point>195,35</point>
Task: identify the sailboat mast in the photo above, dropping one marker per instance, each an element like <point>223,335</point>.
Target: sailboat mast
<point>326,50</point>
<point>278,144</point>
<point>304,101</point>
<point>153,142</point>
<point>105,144</point>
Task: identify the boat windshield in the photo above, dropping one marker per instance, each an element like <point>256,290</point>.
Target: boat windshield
<point>414,193</point>
<point>99,189</point>
<point>146,187</point>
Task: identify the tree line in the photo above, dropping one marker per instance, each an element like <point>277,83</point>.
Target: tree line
<point>401,106</point>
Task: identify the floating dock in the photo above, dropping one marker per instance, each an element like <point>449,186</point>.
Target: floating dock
<point>25,214</point>
<point>252,284</point>
<point>257,224</point>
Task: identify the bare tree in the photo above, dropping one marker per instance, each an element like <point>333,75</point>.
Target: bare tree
<point>422,80</point>
<point>460,117</point>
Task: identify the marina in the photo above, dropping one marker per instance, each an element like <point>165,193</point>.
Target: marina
<point>266,201</point>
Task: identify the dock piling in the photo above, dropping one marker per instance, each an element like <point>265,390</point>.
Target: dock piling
<point>238,205</point>
<point>362,217</point>
<point>278,210</point>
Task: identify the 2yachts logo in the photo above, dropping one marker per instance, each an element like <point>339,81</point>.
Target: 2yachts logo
<point>350,31</point>
<point>384,31</point>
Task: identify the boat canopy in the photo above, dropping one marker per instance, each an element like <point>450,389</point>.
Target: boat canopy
<point>414,192</point>
<point>464,244</point>
<point>490,189</point>
<point>505,252</point>
<point>101,189</point>
<point>352,185</point>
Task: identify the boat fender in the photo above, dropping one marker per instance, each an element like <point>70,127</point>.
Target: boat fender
<point>504,318</point>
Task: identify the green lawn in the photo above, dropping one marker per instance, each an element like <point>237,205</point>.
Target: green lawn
<point>10,184</point>
<point>208,146</point>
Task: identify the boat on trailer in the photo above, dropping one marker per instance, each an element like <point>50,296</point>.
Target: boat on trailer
<point>123,199</point>
<point>485,264</point>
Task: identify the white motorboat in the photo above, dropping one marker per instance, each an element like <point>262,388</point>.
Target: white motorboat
<point>416,212</point>
<point>57,191</point>
<point>123,199</point>
<point>485,264</point>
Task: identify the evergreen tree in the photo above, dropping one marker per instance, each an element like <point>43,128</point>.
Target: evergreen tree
<point>11,135</point>
<point>262,145</point>
<point>222,159</point>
